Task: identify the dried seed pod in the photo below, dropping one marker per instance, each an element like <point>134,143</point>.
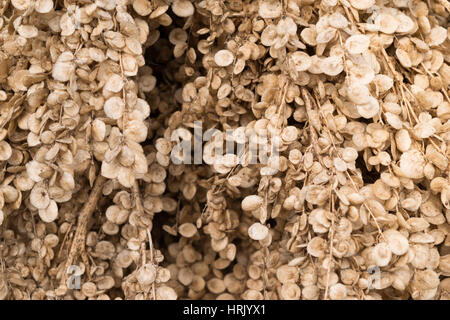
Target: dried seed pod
<point>165,293</point>
<point>223,58</point>
<point>187,230</point>
<point>114,107</point>
<point>290,291</point>
<point>252,202</point>
<point>357,44</point>
<point>183,8</point>
<point>362,4</point>
<point>50,213</point>
<point>257,231</point>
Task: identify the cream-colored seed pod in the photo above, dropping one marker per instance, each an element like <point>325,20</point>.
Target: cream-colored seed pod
<point>223,58</point>
<point>357,44</point>
<point>5,151</point>
<point>412,164</point>
<point>397,242</point>
<point>142,7</point>
<point>178,36</point>
<point>64,67</point>
<point>338,291</point>
<point>39,197</point>
<point>89,289</point>
<point>216,285</point>
<point>114,107</point>
<point>270,9</point>
<point>21,4</point>
<point>370,109</point>
<point>362,4</point>
<point>252,202</point>
<point>183,8</point>
<point>146,274</point>
<point>301,61</point>
<point>114,83</point>
<point>358,93</point>
<point>27,31</point>
<point>316,247</point>
<point>290,291</point>
<point>403,140</point>
<point>187,230</point>
<point>257,231</point>
<point>165,293</point>
<point>387,23</point>
<point>287,274</point>
<point>50,213</point>
<point>382,254</point>
<point>43,6</point>
<point>98,130</point>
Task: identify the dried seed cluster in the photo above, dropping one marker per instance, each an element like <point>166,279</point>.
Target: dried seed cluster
<point>96,97</point>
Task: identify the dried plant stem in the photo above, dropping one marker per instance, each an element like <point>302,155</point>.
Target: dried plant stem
<point>140,208</point>
<point>79,240</point>
<point>314,140</point>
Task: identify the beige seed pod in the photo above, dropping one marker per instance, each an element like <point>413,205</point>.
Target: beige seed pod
<point>270,9</point>
<point>136,131</point>
<point>437,36</point>
<point>300,60</point>
<point>98,130</point>
<point>89,289</point>
<point>114,83</point>
<point>358,93</point>
<point>381,254</point>
<point>165,293</point>
<point>187,230</point>
<point>183,8</point>
<point>178,36</point>
<point>5,151</point>
<point>39,197</point>
<point>357,44</point>
<point>405,23</point>
<point>142,7</point>
<point>402,140</point>
<point>289,134</point>
<point>223,58</point>
<point>290,291</point>
<point>27,31</point>
<point>397,242</point>
<point>332,66</point>
<point>216,285</point>
<point>185,276</point>
<point>362,4</point>
<point>257,231</point>
<point>43,6</point>
<point>50,213</point>
<point>316,247</point>
<point>117,215</point>
<point>287,274</point>
<point>369,109</point>
<point>338,291</point>
<point>337,20</point>
<point>21,4</point>
<point>114,107</point>
<point>387,23</point>
<point>63,67</point>
<point>412,164</point>
<point>252,202</point>
<point>269,35</point>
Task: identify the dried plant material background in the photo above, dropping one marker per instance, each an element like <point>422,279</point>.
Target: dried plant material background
<point>354,92</point>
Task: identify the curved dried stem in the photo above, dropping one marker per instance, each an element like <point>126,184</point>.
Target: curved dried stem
<point>79,240</point>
